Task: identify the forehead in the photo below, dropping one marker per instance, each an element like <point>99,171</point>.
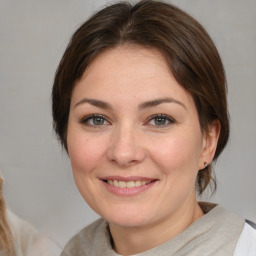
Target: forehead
<point>128,58</point>
<point>129,71</point>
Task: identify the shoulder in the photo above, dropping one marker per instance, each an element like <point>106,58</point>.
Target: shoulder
<point>91,230</point>
<point>43,245</point>
<point>246,244</point>
<point>19,226</point>
<point>88,240</point>
<point>28,241</point>
<point>23,232</point>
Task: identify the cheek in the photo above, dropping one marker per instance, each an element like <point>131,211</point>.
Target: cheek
<point>84,152</point>
<point>178,152</point>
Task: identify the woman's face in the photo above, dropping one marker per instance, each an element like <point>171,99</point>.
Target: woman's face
<point>134,138</point>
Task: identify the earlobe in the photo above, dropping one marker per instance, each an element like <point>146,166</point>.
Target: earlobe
<point>210,142</point>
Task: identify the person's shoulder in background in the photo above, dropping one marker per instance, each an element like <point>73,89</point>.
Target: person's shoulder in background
<point>28,241</point>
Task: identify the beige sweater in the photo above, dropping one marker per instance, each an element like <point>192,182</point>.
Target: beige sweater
<point>216,233</point>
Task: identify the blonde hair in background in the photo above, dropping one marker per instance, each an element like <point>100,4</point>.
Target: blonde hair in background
<point>6,238</point>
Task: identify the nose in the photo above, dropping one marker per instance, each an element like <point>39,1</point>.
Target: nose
<point>125,148</point>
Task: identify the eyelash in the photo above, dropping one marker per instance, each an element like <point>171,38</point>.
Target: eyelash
<point>85,120</point>
<point>161,116</point>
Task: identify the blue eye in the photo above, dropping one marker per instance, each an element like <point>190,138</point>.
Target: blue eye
<point>160,120</point>
<point>94,120</point>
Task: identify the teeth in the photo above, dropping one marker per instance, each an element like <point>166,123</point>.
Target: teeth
<point>122,184</point>
<point>137,183</point>
<point>115,183</point>
<point>129,184</point>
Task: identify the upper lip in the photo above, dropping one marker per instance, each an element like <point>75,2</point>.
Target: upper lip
<point>126,179</point>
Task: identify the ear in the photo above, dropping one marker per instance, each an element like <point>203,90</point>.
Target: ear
<point>209,145</point>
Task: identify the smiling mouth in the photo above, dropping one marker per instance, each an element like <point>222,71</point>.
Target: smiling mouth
<point>128,184</point>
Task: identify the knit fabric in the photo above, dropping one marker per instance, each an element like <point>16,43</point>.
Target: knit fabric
<point>216,233</point>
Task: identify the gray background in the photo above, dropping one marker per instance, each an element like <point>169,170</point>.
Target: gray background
<point>39,184</point>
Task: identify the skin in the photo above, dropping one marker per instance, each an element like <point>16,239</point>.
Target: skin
<point>129,141</point>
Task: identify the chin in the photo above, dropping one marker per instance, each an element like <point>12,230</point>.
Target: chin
<point>129,218</point>
<point>128,222</point>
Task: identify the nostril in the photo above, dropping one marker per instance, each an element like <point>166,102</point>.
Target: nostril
<point>124,149</point>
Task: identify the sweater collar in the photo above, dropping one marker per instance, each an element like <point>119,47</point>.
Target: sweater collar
<point>215,233</point>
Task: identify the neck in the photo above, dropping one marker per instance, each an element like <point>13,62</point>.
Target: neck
<point>133,240</point>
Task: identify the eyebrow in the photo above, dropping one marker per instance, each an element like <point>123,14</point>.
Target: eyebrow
<point>153,103</point>
<point>96,103</point>
<point>144,105</point>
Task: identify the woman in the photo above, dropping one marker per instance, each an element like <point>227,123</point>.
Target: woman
<point>139,103</point>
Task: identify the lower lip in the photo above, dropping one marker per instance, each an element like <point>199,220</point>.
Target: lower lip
<point>128,191</point>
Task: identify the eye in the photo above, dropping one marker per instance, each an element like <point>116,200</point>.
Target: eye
<point>160,120</point>
<point>94,120</point>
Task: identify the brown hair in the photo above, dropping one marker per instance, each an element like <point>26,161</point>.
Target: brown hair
<point>6,237</point>
<point>189,51</point>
